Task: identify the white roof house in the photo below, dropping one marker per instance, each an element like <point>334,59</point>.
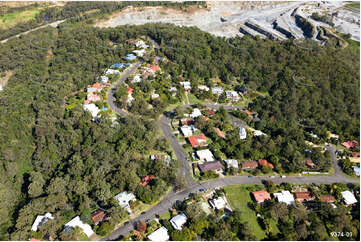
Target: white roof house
<point>203,88</point>
<point>124,198</point>
<point>40,220</point>
<point>232,163</point>
<point>136,79</point>
<point>242,133</point>
<point>232,95</point>
<point>348,197</point>
<point>258,133</point>
<point>76,222</point>
<point>173,89</point>
<point>196,113</point>
<point>188,130</point>
<point>218,203</point>
<point>139,52</point>
<point>284,197</point>
<point>141,44</point>
<point>111,72</point>
<point>91,89</point>
<point>205,155</point>
<point>160,234</point>
<point>92,108</point>
<point>217,90</point>
<point>178,221</point>
<point>187,85</point>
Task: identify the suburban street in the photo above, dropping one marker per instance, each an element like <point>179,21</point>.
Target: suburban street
<point>194,186</point>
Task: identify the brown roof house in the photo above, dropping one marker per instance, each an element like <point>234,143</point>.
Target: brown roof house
<point>249,164</point>
<point>303,197</point>
<point>220,133</point>
<point>211,166</point>
<point>327,198</point>
<point>261,196</point>
<point>98,216</point>
<point>309,163</point>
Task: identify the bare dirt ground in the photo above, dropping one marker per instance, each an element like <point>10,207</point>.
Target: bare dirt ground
<point>4,79</point>
<point>207,19</point>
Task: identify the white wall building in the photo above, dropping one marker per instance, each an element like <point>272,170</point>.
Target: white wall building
<point>188,130</point>
<point>139,52</point>
<point>104,79</point>
<point>242,133</point>
<point>92,108</point>
<point>232,95</point>
<point>348,197</point>
<point>76,222</point>
<point>232,163</point>
<point>218,203</point>
<point>196,113</point>
<point>217,90</point>
<point>160,234</point>
<point>178,221</point>
<point>186,85</point>
<point>205,155</point>
<point>124,198</point>
<point>136,79</point>
<point>40,220</point>
<point>284,197</point>
<point>203,88</point>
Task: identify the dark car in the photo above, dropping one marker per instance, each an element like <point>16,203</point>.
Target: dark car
<point>202,190</point>
<point>250,176</point>
<point>142,213</point>
<point>126,223</point>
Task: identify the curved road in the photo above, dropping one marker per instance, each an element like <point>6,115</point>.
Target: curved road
<point>194,186</point>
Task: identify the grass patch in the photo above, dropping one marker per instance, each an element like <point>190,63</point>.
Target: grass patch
<point>239,197</point>
<point>9,20</point>
<point>165,216</point>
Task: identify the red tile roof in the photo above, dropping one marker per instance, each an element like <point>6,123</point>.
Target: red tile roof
<point>355,154</point>
<point>33,239</point>
<point>155,68</point>
<point>98,216</point>
<point>129,90</point>
<point>146,179</point>
<point>188,121</point>
<point>265,163</point>
<point>220,133</point>
<point>261,196</point>
<point>327,198</point>
<point>210,112</point>
<point>97,85</point>
<point>309,162</point>
<point>197,140</point>
<point>214,165</point>
<point>249,164</point>
<point>351,144</point>
<point>301,196</point>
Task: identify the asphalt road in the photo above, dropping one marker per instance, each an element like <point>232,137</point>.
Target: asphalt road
<point>194,186</point>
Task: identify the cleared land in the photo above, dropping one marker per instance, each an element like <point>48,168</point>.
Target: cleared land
<point>9,20</point>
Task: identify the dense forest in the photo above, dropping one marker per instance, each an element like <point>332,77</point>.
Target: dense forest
<point>58,160</point>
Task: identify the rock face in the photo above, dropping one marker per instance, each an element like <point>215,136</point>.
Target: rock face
<point>307,28</point>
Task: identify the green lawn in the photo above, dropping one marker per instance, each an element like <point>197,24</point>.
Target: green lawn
<point>239,197</point>
<point>8,20</point>
<point>165,216</point>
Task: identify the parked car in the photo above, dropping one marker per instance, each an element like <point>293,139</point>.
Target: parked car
<point>202,190</point>
<point>250,176</point>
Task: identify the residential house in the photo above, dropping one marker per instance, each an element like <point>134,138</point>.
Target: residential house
<point>188,130</point>
<point>155,68</point>
<point>186,85</point>
<point>76,222</point>
<point>141,44</point>
<point>348,198</point>
<point>186,121</point>
<point>327,198</point>
<point>265,163</point>
<point>160,234</point>
<point>197,140</point>
<point>284,197</point>
<point>351,144</point>
<point>205,155</point>
<point>355,157</point>
<point>173,89</point>
<point>129,90</point>
<point>258,133</point>
<point>203,88</point>
<point>217,90</point>
<point>214,166</point>
<point>91,89</point>
<point>209,113</point>
<point>92,97</point>
<point>232,163</point>
<point>249,113</point>
<point>94,110</point>
<point>111,72</point>
<point>242,133</point>
<point>218,203</point>
<point>356,170</point>
<point>178,221</point>
<point>124,198</point>
<point>220,133</point>
<point>196,113</point>
<point>261,196</point>
<point>243,90</point>
<point>98,216</point>
<point>130,57</point>
<point>40,220</point>
<point>154,95</point>
<point>146,180</point>
<point>233,95</point>
<point>249,165</point>
<point>309,163</point>
<point>118,65</point>
<point>136,79</point>
<point>139,53</point>
<point>303,197</point>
